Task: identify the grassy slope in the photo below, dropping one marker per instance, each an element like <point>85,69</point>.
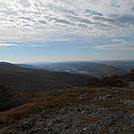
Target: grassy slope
<point>53,101</point>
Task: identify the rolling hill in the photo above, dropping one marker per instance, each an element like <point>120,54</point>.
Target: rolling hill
<point>39,79</point>
<point>5,66</point>
<point>87,68</point>
<point>125,64</point>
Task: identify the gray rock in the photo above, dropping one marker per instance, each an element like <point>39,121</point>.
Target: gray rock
<point>127,102</point>
<point>83,95</point>
<point>27,124</point>
<point>99,112</point>
<point>46,131</point>
<point>108,96</point>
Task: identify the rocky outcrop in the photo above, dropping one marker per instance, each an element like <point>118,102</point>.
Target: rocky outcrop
<point>103,113</point>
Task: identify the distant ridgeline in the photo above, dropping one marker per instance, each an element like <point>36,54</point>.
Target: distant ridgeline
<point>42,80</point>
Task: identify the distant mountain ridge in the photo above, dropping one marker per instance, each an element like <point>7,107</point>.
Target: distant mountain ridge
<point>10,67</point>
<point>27,66</point>
<point>87,68</point>
<point>126,65</point>
<point>39,79</point>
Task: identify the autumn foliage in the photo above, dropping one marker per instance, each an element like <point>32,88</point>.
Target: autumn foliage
<point>132,70</point>
<point>113,81</point>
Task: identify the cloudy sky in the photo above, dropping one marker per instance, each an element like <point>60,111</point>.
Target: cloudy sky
<point>66,30</point>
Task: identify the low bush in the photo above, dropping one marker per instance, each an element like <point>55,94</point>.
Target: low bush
<point>113,81</point>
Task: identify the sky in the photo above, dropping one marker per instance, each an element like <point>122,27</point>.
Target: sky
<point>66,30</point>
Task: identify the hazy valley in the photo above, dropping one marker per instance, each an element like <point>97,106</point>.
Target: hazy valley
<point>66,98</point>
<point>87,68</point>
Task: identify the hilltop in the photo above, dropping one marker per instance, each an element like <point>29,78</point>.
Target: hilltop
<point>73,111</point>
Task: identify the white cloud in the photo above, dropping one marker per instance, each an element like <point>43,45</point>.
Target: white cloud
<point>36,45</point>
<point>28,20</point>
<point>8,45</point>
<point>119,40</point>
<point>120,46</point>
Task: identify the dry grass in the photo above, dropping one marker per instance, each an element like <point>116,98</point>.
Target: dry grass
<point>125,95</point>
<point>104,131</point>
<point>52,101</point>
<point>44,101</point>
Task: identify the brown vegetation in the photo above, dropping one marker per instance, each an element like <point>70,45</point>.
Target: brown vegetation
<point>9,98</point>
<point>113,81</point>
<point>48,104</point>
<point>132,70</point>
<point>52,101</point>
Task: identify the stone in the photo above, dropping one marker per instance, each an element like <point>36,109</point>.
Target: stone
<point>108,96</point>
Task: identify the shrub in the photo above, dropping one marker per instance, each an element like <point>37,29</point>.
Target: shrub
<point>113,81</point>
<point>132,70</point>
<point>6,96</point>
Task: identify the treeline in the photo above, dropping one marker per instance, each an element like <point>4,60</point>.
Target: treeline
<point>9,98</point>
